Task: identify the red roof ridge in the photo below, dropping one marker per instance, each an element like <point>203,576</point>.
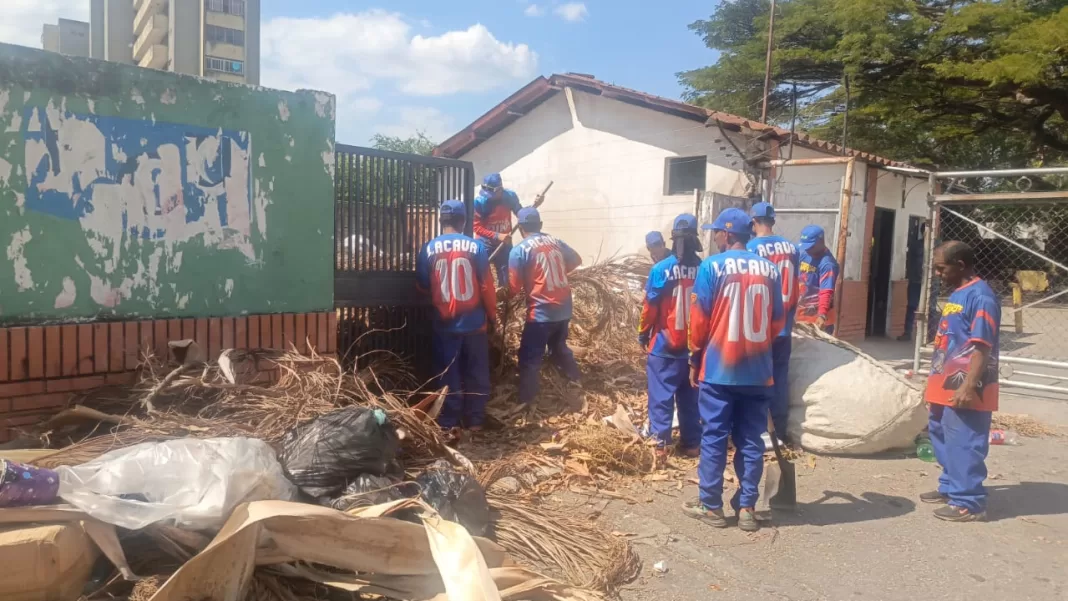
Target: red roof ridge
<point>541,89</point>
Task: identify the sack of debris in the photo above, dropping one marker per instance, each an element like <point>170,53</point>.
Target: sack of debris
<point>368,490</point>
<point>457,496</point>
<point>844,402</point>
<point>189,483</point>
<point>324,455</point>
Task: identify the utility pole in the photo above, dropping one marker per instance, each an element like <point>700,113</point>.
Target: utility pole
<point>845,118</point>
<point>767,65</point>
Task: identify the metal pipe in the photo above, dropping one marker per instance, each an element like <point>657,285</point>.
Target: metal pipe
<point>921,315</point>
<point>1002,172</point>
<point>1020,360</point>
<point>1035,374</point>
<point>1002,197</point>
<point>905,170</point>
<point>803,162</point>
<point>1007,239</point>
<point>813,210</point>
<point>767,65</point>
<point>1013,383</point>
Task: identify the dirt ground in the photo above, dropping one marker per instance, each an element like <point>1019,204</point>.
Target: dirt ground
<point>861,533</point>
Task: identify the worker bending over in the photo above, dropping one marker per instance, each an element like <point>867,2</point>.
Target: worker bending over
<point>662,332</point>
<point>454,270</point>
<point>654,243</point>
<point>819,275</point>
<point>539,266</point>
<point>494,207</point>
<point>784,255</point>
<point>962,390</point>
<point>735,315</point>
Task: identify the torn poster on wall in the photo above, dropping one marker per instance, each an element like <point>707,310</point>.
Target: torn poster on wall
<point>127,180</point>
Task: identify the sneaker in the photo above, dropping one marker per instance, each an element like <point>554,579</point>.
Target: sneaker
<point>934,497</point>
<point>952,513</point>
<point>747,521</point>
<point>712,517</point>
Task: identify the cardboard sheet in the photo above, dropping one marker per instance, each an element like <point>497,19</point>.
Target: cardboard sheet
<point>45,563</point>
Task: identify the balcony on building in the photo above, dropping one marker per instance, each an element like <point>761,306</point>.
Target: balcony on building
<point>144,10</point>
<point>155,57</point>
<point>154,32</point>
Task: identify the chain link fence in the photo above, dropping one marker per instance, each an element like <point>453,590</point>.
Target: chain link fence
<point>1021,251</point>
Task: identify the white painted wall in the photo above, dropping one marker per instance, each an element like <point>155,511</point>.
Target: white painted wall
<point>606,158</point>
<point>888,196</point>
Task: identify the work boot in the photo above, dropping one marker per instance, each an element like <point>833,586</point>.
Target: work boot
<point>688,452</point>
<point>952,513</point>
<point>712,517</point>
<point>747,520</point>
<point>934,497</point>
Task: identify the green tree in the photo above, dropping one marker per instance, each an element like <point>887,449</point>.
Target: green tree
<point>418,143</point>
<point>960,83</point>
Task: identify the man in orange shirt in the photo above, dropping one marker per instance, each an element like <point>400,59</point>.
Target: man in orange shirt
<point>962,390</point>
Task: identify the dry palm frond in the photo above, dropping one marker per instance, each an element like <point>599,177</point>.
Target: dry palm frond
<point>1024,425</point>
<point>583,555</point>
<point>609,449</point>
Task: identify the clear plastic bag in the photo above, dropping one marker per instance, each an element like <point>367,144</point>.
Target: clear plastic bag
<point>190,483</point>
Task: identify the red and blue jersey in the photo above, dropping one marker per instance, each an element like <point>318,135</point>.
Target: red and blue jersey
<point>818,278</point>
<point>666,308</point>
<point>786,257</point>
<point>971,317</point>
<point>494,217</point>
<point>539,266</point>
<point>735,314</point>
<point>454,269</point>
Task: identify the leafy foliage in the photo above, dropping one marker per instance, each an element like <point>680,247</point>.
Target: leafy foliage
<point>418,143</point>
<point>961,83</point>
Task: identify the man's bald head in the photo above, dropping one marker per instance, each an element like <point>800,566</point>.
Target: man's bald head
<point>954,262</point>
<point>955,252</point>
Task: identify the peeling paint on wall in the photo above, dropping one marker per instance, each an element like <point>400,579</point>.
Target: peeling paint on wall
<point>154,205</point>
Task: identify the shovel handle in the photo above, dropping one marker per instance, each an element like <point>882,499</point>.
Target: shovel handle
<point>774,439</point>
<point>540,198</point>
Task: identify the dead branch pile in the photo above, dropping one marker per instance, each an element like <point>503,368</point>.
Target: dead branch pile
<point>607,449</point>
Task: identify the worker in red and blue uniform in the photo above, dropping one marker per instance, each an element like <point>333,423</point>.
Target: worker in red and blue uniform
<point>654,243</point>
<point>494,207</point>
<point>454,270</point>
<point>735,314</point>
<point>662,331</point>
<point>819,276</point>
<point>786,257</point>
<point>962,390</point>
<point>538,266</point>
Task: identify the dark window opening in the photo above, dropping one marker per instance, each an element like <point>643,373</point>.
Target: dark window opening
<point>683,175</point>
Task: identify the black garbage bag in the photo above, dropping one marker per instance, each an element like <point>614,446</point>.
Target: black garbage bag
<point>367,490</point>
<point>457,496</point>
<point>324,455</point>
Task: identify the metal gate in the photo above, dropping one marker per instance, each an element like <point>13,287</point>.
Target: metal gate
<point>386,206</point>
<point>1018,234</point>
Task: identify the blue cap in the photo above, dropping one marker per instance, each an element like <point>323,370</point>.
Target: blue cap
<point>685,222</point>
<point>654,238</point>
<point>732,220</point>
<point>762,209</point>
<point>453,207</point>
<point>810,236</point>
<point>492,180</point>
<point>529,216</point>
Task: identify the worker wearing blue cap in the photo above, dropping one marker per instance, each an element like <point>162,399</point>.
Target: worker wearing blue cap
<point>654,243</point>
<point>494,207</point>
<point>819,275</point>
<point>785,256</point>
<point>538,266</point>
<point>454,271</point>
<point>662,331</point>
<point>735,315</point>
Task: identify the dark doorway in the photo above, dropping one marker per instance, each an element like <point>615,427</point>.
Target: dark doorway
<point>882,248</point>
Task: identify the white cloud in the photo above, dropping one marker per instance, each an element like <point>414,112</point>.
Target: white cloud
<point>533,10</point>
<point>22,20</point>
<point>435,124</point>
<point>572,11</point>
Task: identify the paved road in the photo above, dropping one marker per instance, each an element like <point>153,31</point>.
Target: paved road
<point>860,533</point>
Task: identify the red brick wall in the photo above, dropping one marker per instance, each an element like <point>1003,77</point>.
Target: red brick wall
<point>40,366</point>
<point>899,302</point>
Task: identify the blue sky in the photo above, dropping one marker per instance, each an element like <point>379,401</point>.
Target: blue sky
<point>402,66</point>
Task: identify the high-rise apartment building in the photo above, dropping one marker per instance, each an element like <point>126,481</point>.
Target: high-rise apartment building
<point>219,39</point>
<point>67,36</point>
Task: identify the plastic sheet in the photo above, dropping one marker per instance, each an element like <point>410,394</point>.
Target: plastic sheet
<point>324,455</point>
<point>189,483</point>
<point>367,490</point>
<point>457,496</point>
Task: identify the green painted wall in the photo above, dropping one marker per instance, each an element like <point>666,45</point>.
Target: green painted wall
<point>135,193</point>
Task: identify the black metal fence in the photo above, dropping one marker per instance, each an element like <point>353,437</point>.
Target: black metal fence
<point>386,207</point>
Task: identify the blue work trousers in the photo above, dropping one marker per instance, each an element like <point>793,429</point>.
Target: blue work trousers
<point>780,402</point>
<point>961,439</point>
<point>500,263</point>
<point>462,360</point>
<point>537,337</point>
<point>670,391</point>
<point>740,412</point>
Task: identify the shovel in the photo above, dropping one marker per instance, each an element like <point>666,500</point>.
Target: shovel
<point>780,478</point>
